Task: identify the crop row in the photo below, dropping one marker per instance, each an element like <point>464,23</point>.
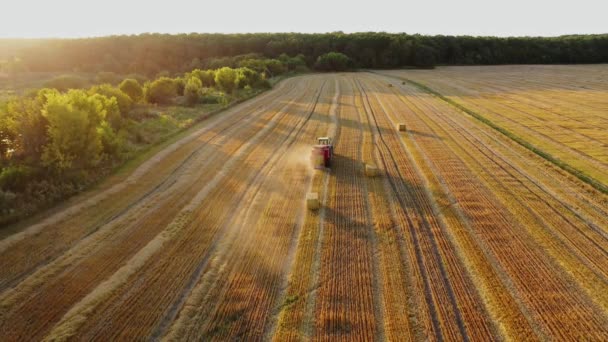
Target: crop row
<point>494,207</point>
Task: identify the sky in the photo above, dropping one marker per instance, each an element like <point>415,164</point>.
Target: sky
<point>85,18</point>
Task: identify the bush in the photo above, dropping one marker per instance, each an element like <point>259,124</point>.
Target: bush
<point>15,178</point>
<point>160,91</point>
<point>254,64</point>
<point>263,84</point>
<point>23,129</point>
<point>66,82</point>
<point>192,91</point>
<point>7,199</point>
<point>180,85</point>
<point>247,77</point>
<point>132,88</point>
<point>333,61</point>
<point>207,77</point>
<point>111,107</point>
<point>112,143</point>
<point>74,141</point>
<point>208,96</point>
<point>275,67</point>
<point>8,134</point>
<point>293,63</point>
<point>225,78</point>
<point>124,101</point>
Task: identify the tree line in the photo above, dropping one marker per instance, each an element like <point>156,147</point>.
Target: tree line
<point>152,53</point>
<point>57,140</point>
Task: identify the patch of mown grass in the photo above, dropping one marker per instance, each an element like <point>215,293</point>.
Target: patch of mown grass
<point>290,300</point>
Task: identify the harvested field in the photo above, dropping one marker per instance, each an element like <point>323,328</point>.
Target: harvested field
<point>463,234</point>
<point>562,110</point>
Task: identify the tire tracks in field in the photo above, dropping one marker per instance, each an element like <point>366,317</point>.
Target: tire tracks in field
<point>395,293</point>
<point>541,212</point>
<point>81,250</point>
<point>297,308</point>
<point>434,247</point>
<point>345,305</point>
<point>204,235</point>
<point>366,156</point>
<point>138,173</point>
<point>487,278</point>
<point>254,190</point>
<point>157,190</point>
<point>496,158</point>
<point>255,325</point>
<point>549,155</point>
<point>330,131</point>
<point>160,237</point>
<point>554,284</point>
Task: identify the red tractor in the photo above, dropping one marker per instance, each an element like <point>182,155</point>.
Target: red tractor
<point>322,153</point>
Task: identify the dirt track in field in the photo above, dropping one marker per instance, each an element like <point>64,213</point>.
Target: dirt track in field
<point>464,235</point>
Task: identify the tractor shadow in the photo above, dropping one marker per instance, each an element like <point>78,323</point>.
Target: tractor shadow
<point>351,182</point>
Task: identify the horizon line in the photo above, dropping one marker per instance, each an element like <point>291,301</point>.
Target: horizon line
<point>290,32</point>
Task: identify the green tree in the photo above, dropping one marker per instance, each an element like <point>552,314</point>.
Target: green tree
<point>293,62</point>
<point>247,77</point>
<point>111,105</point>
<point>74,140</point>
<point>275,67</point>
<point>151,53</point>
<point>424,56</point>
<point>112,144</point>
<point>225,78</point>
<point>192,91</point>
<point>255,64</point>
<point>333,61</point>
<point>207,77</point>
<point>160,91</point>
<point>124,101</point>
<point>132,88</point>
<point>180,85</point>
<point>15,177</point>
<point>8,134</point>
<point>27,126</point>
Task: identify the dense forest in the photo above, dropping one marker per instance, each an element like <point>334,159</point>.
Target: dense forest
<point>152,53</point>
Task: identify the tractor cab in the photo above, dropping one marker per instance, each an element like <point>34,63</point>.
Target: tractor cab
<point>324,141</point>
<point>322,153</point>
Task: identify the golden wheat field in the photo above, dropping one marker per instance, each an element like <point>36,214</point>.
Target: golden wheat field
<point>464,234</point>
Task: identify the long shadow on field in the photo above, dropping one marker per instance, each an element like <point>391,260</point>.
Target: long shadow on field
<point>109,211</point>
<point>347,174</point>
<point>349,237</point>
